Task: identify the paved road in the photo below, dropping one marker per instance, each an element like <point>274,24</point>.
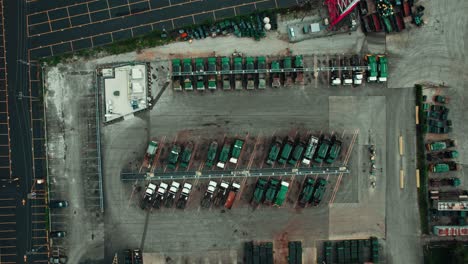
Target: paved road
<point>30,219</point>
<point>55,28</point>
<point>19,118</point>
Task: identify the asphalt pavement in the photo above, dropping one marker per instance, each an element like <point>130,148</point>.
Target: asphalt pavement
<point>55,28</point>
<point>27,245</point>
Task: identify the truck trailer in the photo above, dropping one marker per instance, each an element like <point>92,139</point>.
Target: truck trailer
<point>200,67</point>
<point>208,197</point>
<point>226,67</point>
<point>250,66</point>
<point>212,83</point>
<point>259,192</point>
<point>307,192</point>
<point>173,190</point>
<point>372,72</point>
<point>173,157</point>
<point>281,196</point>
<point>184,195</point>
<point>440,145</point>
<point>322,150</point>
<point>236,151</point>
<point>177,79</point>
<point>297,153</point>
<point>262,76</point>
<point>274,151</point>
<point>286,151</point>
<point>222,193</point>
<point>238,67</point>
<point>186,155</point>
<point>334,151</point>
<point>319,191</point>
<point>188,75</point>
<point>383,68</point>
<point>235,187</point>
<point>160,195</point>
<point>310,150</point>
<point>150,153</point>
<point>271,191</point>
<point>211,157</point>
<point>275,74</point>
<point>223,156</point>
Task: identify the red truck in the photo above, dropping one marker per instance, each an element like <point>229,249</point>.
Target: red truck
<point>232,195</point>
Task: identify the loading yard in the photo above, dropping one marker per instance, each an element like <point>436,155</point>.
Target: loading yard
<point>355,205</point>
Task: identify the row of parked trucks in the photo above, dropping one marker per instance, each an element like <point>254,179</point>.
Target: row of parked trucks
<point>312,192</point>
<point>437,117</point>
<point>350,73</point>
<point>236,73</point>
<point>274,192</point>
<point>156,196</point>
<point>318,150</point>
<point>222,195</point>
<point>181,156</point>
<point>378,68</point>
<point>271,192</point>
<point>281,152</point>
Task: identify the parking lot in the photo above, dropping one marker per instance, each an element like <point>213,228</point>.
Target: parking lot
<point>351,208</point>
<point>56,28</point>
<point>201,116</point>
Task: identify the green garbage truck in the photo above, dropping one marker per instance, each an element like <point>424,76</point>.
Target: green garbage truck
<point>212,150</point>
<point>173,157</point>
<point>286,151</point>
<point>322,150</point>
<point>310,150</point>
<point>236,151</point>
<point>320,191</point>
<point>224,156</point>
<point>297,153</point>
<point>259,192</point>
<point>274,151</point>
<point>334,151</point>
<point>271,191</point>
<point>186,155</point>
<point>281,196</point>
<point>307,192</point>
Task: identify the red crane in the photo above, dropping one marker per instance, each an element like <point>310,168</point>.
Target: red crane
<point>339,9</point>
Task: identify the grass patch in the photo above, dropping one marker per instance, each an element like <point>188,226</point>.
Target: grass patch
<point>421,163</point>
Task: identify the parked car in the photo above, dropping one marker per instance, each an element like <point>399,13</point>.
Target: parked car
<point>58,234</point>
<point>58,204</point>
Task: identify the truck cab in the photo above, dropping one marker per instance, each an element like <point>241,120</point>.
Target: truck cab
<point>206,201</point>
<point>222,193</point>
<point>148,197</point>
<point>184,195</point>
<point>175,186</point>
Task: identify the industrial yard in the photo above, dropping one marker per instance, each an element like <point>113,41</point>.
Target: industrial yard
<point>209,152</point>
